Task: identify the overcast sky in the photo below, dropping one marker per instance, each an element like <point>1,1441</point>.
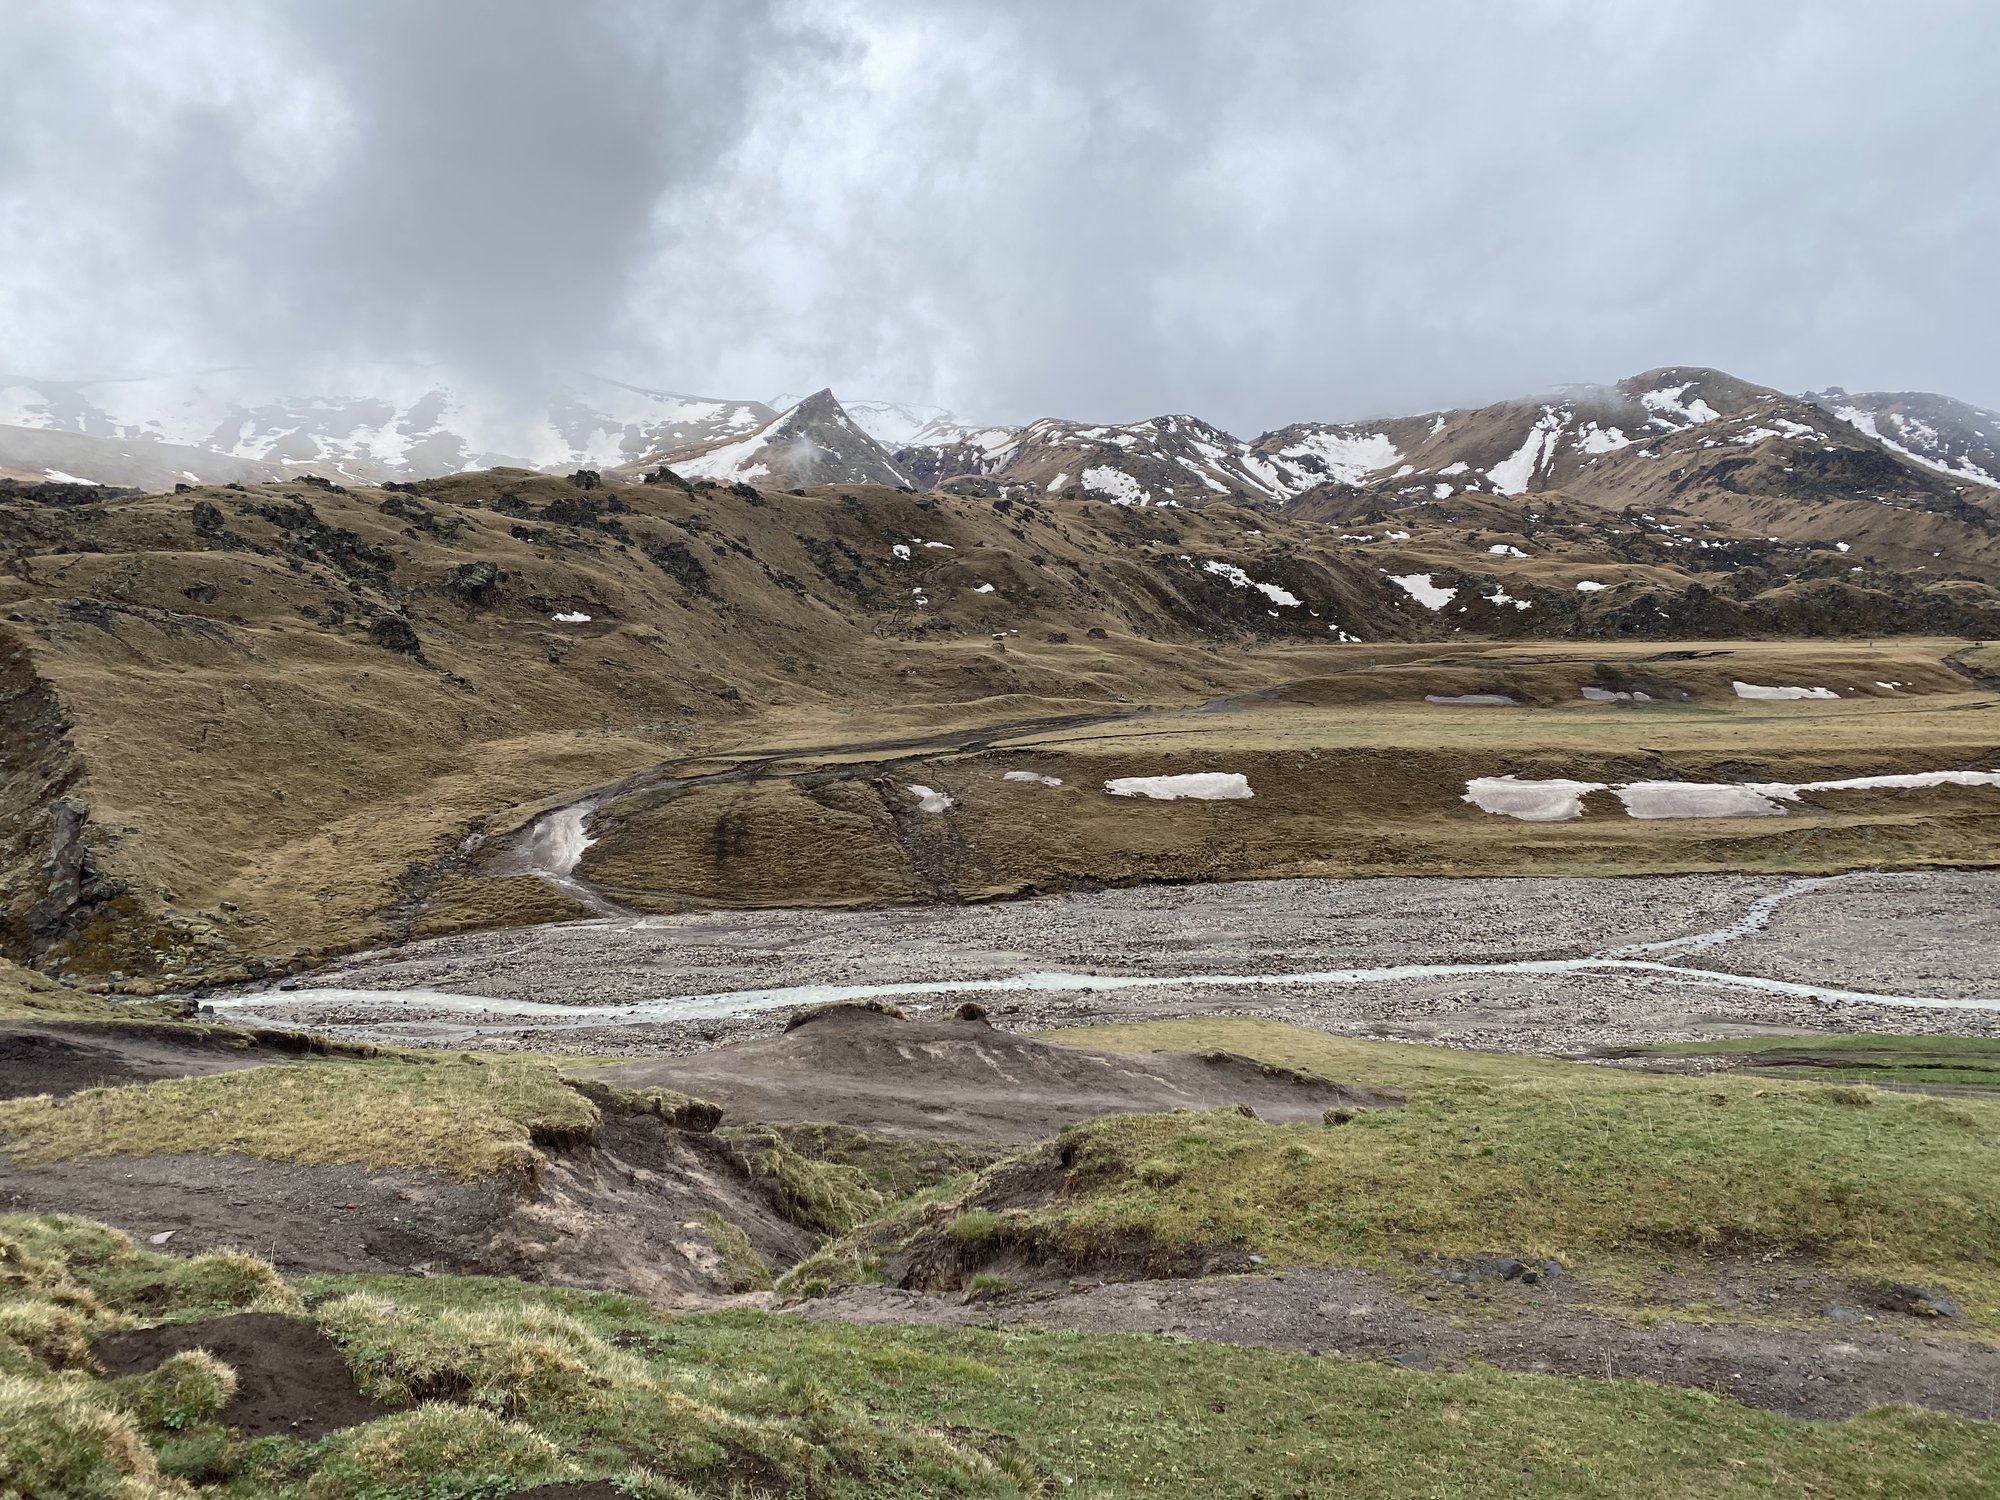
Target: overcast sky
<point>1260,212</point>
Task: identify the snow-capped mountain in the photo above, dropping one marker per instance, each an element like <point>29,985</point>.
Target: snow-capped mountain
<point>411,429</point>
<point>1171,460</point>
<point>1950,436</point>
<point>1640,442</point>
<point>1660,432</point>
<point>813,442</point>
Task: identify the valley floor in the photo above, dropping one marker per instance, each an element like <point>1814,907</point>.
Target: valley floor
<point>1529,965</point>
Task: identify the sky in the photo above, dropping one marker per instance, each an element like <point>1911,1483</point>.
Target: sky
<point>1259,211</point>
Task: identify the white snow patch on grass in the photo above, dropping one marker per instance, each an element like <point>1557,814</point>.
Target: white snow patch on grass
<point>1347,457</point>
<point>1242,580</point>
<point>1115,485</point>
<point>984,588</point>
<point>1505,549</point>
<point>1420,588</point>
<point>1753,690</point>
<point>1512,475</point>
<point>1470,700</point>
<point>1557,800</point>
<point>571,617</point>
<point>1590,586</point>
<point>901,551</point>
<point>1552,801</point>
<point>1198,786</point>
<point>1689,799</point>
<point>1034,777</point>
<point>929,799</point>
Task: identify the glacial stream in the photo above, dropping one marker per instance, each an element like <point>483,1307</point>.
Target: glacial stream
<point>267,1005</point>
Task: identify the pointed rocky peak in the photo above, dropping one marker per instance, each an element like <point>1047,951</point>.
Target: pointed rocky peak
<point>814,442</point>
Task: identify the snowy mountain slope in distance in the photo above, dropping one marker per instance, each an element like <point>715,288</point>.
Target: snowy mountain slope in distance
<point>813,442</point>
<point>1953,437</point>
<point>1657,434</point>
<point>1168,460</point>
<point>417,429</point>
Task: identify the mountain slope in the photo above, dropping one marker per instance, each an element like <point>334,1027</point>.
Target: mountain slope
<point>1950,436</point>
<point>814,442</point>
<point>230,425</point>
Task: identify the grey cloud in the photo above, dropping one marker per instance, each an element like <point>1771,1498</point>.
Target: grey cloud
<point>1259,212</point>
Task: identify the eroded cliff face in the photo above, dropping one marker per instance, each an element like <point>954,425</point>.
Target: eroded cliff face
<point>44,864</point>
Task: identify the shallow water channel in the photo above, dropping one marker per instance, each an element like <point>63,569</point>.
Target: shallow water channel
<point>1643,958</point>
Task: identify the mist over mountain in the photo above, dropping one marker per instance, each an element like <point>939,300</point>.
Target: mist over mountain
<point>1260,214</point>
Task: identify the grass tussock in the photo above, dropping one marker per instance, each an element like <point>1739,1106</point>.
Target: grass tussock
<point>893,1166</point>
<point>57,1440</point>
<point>745,1269</point>
<point>179,1391</point>
<point>466,1117</point>
<point>515,1386</point>
<point>827,1197</point>
<point>436,1450</point>
<point>64,1280</point>
<point>1108,1417</point>
<point>1597,1167</point>
<point>501,1391</point>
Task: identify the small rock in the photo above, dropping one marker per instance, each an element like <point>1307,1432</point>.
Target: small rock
<point>1836,1313</point>
<point>1920,1302</point>
<point>162,1237</point>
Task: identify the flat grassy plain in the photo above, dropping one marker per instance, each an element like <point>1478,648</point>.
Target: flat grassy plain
<point>1352,773</point>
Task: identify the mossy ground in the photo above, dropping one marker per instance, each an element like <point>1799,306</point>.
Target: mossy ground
<point>1104,1416</point>
<point>1608,1171</point>
<point>515,1386</point>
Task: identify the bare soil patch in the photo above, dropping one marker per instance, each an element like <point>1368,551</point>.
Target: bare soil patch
<point>1832,1367</point>
<point>290,1377</point>
<point>965,1080</point>
<point>62,1058</point>
<point>619,1211</point>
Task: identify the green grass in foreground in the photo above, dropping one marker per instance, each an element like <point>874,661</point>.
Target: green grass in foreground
<point>1608,1170</point>
<point>467,1116</point>
<point>1098,1416</point>
<point>519,1385</point>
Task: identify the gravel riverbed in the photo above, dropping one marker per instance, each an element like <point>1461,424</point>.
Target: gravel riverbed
<point>1927,934</point>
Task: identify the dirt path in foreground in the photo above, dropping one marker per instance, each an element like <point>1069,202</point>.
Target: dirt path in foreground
<point>1829,1371</point>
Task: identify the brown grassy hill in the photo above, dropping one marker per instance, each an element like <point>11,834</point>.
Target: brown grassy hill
<point>243,724</point>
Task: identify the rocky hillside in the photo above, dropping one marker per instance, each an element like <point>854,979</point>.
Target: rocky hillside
<point>1938,432</point>
<point>309,699</point>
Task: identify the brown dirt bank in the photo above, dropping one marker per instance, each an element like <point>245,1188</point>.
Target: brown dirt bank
<point>964,1079</point>
<point>623,1210</point>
